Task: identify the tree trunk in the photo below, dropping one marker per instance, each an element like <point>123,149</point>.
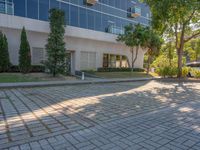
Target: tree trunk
<point>132,60</point>
<point>180,57</point>
<point>180,52</point>
<point>148,65</point>
<point>136,55</point>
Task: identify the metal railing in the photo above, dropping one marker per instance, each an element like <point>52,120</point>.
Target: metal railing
<point>115,30</point>
<point>6,7</point>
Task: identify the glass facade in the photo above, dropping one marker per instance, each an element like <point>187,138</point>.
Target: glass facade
<point>115,61</point>
<point>105,15</point>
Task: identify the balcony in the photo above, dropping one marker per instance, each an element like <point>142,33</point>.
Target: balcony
<point>115,30</point>
<point>91,2</point>
<point>6,7</point>
<point>135,12</point>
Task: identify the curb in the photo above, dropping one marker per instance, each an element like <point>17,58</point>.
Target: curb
<point>63,83</point>
<point>79,82</point>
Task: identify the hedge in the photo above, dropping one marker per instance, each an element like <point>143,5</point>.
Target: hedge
<point>34,68</point>
<point>119,70</point>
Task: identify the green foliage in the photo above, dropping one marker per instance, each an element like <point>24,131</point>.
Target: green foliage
<point>34,68</point>
<point>153,42</point>
<point>185,71</point>
<point>56,45</point>
<point>192,49</point>
<point>167,71</point>
<point>134,37</point>
<point>163,61</point>
<point>119,69</point>
<point>197,74</point>
<point>24,53</point>
<point>178,20</point>
<point>4,54</point>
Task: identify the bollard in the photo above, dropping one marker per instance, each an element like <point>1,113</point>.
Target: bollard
<point>83,76</point>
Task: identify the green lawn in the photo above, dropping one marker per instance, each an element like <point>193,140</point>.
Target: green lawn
<point>16,77</point>
<point>122,74</point>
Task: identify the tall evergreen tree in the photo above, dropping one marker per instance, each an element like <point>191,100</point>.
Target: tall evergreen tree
<point>24,53</point>
<point>7,57</point>
<point>56,46</point>
<point>4,55</point>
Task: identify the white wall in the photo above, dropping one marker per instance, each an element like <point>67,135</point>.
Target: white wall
<point>77,39</point>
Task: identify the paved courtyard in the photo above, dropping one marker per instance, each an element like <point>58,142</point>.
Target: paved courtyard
<point>144,115</point>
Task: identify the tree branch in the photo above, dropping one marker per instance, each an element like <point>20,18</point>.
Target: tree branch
<point>190,17</point>
<point>192,36</point>
<point>176,35</point>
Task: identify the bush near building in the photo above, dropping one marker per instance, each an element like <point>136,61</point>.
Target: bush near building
<point>120,70</point>
<point>4,54</point>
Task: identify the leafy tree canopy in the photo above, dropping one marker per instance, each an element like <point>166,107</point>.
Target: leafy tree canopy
<point>178,20</point>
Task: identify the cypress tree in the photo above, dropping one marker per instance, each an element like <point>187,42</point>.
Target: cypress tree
<point>24,53</point>
<point>4,54</point>
<point>1,52</point>
<point>55,45</point>
<point>7,57</point>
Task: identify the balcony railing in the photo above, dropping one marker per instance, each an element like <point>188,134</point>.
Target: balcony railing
<point>115,30</point>
<point>6,7</point>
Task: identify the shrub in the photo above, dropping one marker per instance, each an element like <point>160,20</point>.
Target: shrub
<point>197,74</point>
<point>34,68</point>
<point>185,71</point>
<point>167,71</point>
<point>119,70</point>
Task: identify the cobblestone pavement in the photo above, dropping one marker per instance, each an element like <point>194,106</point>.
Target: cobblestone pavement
<point>140,115</point>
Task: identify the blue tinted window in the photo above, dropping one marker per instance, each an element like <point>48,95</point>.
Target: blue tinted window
<point>91,19</point>
<point>105,23</point>
<point>32,9</point>
<point>83,17</point>
<point>112,3</point>
<point>19,8</point>
<point>82,2</point>
<point>74,16</point>
<point>118,3</point>
<point>105,1</point>
<point>98,25</point>
<point>44,10</point>
<point>123,5</point>
<point>74,1</point>
<point>65,8</point>
<point>54,4</point>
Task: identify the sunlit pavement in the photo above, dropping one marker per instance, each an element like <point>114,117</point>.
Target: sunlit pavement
<point>141,115</point>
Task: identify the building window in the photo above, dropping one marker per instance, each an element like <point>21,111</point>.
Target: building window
<point>115,61</point>
<point>44,10</point>
<point>88,61</point>
<point>74,16</point>
<point>6,7</point>
<point>38,56</point>
<point>32,9</point>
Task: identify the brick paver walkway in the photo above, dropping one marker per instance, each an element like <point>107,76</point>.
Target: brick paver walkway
<point>140,115</point>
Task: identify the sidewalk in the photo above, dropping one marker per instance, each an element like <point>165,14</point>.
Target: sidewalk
<point>76,82</point>
<point>89,81</point>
